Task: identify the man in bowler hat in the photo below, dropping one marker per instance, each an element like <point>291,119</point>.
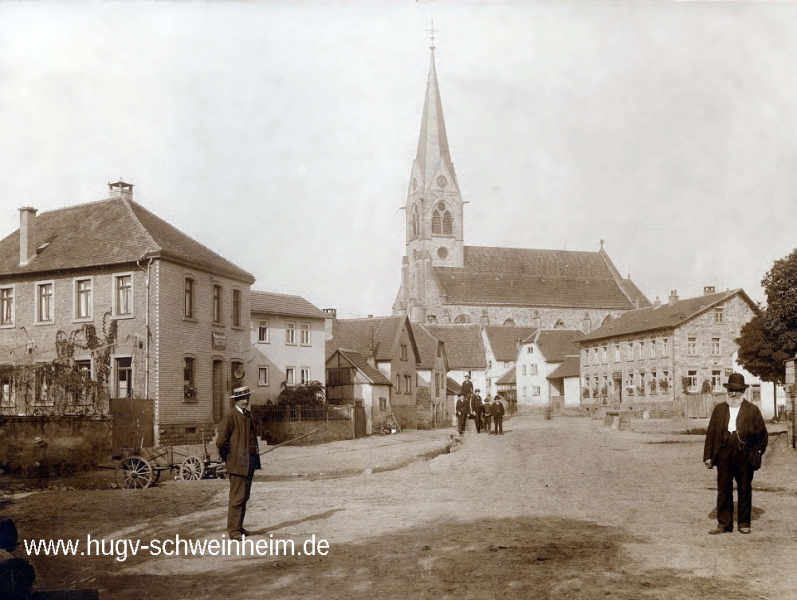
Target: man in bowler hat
<point>736,437</point>
<point>462,413</point>
<point>498,415</point>
<point>237,444</point>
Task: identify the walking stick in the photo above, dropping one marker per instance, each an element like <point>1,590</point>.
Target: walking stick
<point>270,448</point>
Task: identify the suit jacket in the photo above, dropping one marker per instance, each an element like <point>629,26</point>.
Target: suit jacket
<point>498,409</point>
<point>462,406</point>
<point>466,389</point>
<point>488,409</point>
<point>475,403</point>
<point>750,428</point>
<point>235,442</point>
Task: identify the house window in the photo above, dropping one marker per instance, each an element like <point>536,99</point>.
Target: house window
<point>44,302</point>
<point>305,374</point>
<point>189,298</point>
<point>123,296</point>
<point>533,369</point>
<point>6,306</point>
<point>290,376</point>
<point>290,333</point>
<point>641,349</point>
<point>530,350</point>
<point>716,381</point>
<point>630,353</point>
<point>691,346</point>
<point>83,304</point>
<point>605,355</point>
<point>382,404</point>
<point>189,387</point>
<point>6,391</point>
<point>642,382</point>
<point>41,388</point>
<point>437,384</point>
<point>525,392</point>
<point>507,364</point>
<point>408,384</point>
<point>665,346</point>
<point>305,333</point>
<point>652,348</point>
<point>715,346</point>
<point>403,351</point>
<point>262,376</point>
<point>123,387</point>
<point>398,384</point>
<point>524,369</point>
<point>595,356</point>
<point>262,331</point>
<point>236,308</point>
<point>692,380</point>
<point>617,353</point>
<point>535,390</point>
<point>719,315</point>
<point>217,303</point>
<point>629,384</point>
<point>440,350</point>
<point>84,369</point>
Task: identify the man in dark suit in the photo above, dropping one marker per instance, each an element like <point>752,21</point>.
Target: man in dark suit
<point>467,388</point>
<point>462,413</point>
<point>736,436</point>
<point>498,415</point>
<point>237,444</point>
<point>487,413</point>
<point>476,409</point>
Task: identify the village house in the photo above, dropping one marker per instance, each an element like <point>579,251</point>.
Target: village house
<point>665,351</point>
<point>131,303</point>
<point>288,344</point>
<point>539,356</point>
<point>354,380</point>
<point>388,344</point>
<point>501,345</point>
<point>432,374</point>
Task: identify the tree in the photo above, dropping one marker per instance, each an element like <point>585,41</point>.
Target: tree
<point>305,394</point>
<point>758,353</point>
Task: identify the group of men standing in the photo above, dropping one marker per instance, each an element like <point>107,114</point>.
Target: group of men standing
<point>471,406</point>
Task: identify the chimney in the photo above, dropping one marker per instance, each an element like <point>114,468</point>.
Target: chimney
<point>120,189</point>
<point>519,343</point>
<point>656,302</point>
<point>485,318</point>
<point>673,297</point>
<point>329,322</point>
<point>27,235</point>
<point>709,289</point>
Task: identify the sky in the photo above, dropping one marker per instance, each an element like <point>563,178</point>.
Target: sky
<point>282,135</point>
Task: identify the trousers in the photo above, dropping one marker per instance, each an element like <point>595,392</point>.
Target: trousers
<point>240,488</point>
<point>732,465</point>
<point>499,424</point>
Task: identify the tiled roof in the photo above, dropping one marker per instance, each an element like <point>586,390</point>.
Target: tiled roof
<point>508,378</point>
<point>360,334</point>
<point>569,368</point>
<point>528,277</point>
<point>427,346</point>
<point>359,361</point>
<point>665,316</point>
<point>464,345</point>
<point>284,304</point>
<point>556,344</point>
<point>109,232</point>
<point>503,340</point>
<point>452,386</point>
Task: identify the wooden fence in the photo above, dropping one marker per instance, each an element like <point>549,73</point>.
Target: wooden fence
<point>289,414</point>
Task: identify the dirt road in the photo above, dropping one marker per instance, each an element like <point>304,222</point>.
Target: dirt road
<point>552,509</point>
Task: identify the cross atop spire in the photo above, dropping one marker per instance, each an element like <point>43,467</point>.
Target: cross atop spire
<point>431,35</point>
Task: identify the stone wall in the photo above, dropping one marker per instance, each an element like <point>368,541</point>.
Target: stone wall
<point>328,431</point>
<point>71,444</point>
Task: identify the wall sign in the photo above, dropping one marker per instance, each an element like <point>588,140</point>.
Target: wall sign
<point>219,341</point>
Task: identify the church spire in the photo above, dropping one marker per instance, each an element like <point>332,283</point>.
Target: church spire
<point>433,141</point>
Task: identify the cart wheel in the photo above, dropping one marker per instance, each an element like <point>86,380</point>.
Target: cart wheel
<point>134,473</point>
<point>192,469</point>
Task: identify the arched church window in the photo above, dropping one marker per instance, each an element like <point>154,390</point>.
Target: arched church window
<point>436,223</point>
<point>559,324</point>
<point>448,224</point>
<point>414,222</point>
<point>509,322</point>
<point>462,319</point>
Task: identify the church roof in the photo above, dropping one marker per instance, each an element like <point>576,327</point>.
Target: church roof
<point>283,304</point>
<point>504,340</point>
<point>666,316</point>
<point>433,140</point>
<point>529,277</point>
<point>464,345</point>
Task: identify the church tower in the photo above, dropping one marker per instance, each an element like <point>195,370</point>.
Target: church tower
<point>434,209</point>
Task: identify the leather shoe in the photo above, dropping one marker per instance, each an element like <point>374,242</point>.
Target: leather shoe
<point>235,536</point>
<point>745,530</point>
<point>246,531</point>
<point>719,529</point>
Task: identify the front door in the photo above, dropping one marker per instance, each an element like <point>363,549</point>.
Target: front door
<point>218,390</point>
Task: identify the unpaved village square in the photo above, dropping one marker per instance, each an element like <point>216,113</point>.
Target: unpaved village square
<point>564,508</point>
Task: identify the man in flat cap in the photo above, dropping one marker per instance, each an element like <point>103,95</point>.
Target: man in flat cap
<point>237,444</point>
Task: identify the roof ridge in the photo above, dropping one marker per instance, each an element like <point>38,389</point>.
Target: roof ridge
<point>126,203</point>
<point>73,206</point>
